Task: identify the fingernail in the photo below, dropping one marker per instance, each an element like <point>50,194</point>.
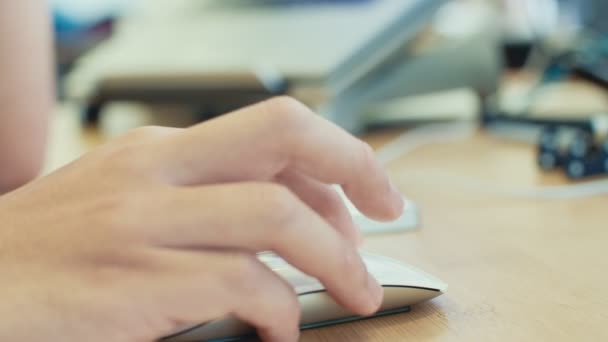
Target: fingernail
<point>376,292</point>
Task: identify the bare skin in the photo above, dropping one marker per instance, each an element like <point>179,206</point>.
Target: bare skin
<point>159,228</point>
<point>26,90</point>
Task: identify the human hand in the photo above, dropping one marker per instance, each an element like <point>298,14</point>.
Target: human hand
<point>159,229</point>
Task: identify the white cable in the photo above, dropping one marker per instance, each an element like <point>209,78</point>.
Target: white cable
<point>443,133</point>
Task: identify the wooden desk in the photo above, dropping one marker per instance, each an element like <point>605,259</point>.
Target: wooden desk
<point>518,270</point>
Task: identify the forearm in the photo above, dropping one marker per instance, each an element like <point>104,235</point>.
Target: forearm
<point>26,89</point>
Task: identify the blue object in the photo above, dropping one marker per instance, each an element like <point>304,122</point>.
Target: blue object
<point>75,16</point>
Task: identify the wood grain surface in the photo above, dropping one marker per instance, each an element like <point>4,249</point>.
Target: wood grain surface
<point>518,269</point>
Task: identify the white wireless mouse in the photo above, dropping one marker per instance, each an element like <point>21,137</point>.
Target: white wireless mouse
<point>403,286</point>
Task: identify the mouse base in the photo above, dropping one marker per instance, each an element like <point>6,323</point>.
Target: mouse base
<point>324,323</point>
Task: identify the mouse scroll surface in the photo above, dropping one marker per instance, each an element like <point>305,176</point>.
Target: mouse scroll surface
<point>403,286</point>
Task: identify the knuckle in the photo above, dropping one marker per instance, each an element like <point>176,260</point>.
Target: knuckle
<point>131,151</point>
<point>287,114</point>
<point>124,156</point>
<point>241,272</point>
<point>367,158</point>
<point>281,205</point>
<point>143,133</point>
<point>285,104</point>
<point>329,203</point>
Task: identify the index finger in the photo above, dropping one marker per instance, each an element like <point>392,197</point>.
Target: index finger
<point>261,141</point>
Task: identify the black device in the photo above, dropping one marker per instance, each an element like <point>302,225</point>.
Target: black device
<point>577,145</point>
<point>580,153</point>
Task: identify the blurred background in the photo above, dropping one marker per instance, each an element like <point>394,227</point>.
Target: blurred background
<point>534,71</point>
